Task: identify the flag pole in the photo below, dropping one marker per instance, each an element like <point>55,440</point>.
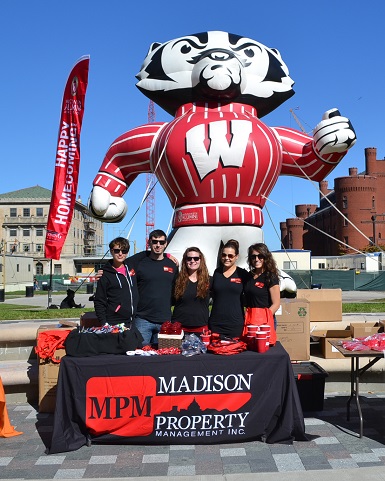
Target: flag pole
<point>50,285</point>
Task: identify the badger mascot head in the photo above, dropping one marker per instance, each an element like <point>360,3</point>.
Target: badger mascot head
<point>215,66</point>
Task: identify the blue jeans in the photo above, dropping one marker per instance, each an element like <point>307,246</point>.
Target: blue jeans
<point>148,329</point>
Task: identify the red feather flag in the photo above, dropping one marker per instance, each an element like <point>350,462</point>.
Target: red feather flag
<point>67,161</point>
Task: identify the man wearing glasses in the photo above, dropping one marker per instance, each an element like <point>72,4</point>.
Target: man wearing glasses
<point>155,275</point>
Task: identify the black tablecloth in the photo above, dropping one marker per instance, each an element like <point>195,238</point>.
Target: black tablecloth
<point>203,399</point>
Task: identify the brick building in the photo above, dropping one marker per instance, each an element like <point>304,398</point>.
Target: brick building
<point>359,196</point>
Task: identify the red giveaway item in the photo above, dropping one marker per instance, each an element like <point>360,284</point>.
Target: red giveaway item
<point>49,341</point>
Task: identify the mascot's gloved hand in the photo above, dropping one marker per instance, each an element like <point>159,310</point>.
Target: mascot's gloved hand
<point>333,134</point>
<point>287,285</point>
<point>106,207</point>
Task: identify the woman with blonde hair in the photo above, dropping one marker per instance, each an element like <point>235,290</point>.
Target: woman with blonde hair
<point>192,292</point>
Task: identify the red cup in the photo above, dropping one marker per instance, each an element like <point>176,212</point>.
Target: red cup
<point>260,342</point>
<point>205,339</point>
<point>251,329</point>
<point>250,341</point>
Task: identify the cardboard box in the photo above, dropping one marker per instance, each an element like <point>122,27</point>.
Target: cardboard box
<point>48,375</point>
<point>293,328</point>
<point>325,304</point>
<point>329,351</point>
<point>365,329</point>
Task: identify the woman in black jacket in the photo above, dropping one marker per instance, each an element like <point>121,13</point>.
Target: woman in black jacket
<point>116,295</point>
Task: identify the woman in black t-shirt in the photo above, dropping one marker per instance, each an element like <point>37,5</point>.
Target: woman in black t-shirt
<point>192,292</point>
<point>262,289</point>
<point>227,313</point>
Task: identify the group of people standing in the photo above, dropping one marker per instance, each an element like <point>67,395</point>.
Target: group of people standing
<point>141,289</point>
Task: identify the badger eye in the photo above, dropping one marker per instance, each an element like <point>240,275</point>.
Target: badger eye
<point>249,52</point>
<point>185,49</point>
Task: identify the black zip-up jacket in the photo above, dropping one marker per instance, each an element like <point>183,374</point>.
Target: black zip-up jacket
<point>116,296</point>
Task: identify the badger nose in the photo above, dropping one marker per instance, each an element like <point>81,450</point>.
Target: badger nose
<point>221,56</point>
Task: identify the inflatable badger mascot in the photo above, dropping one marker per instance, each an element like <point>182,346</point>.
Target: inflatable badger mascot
<point>216,160</point>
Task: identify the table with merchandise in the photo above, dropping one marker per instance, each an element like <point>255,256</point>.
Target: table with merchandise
<point>372,356</point>
<point>176,399</point>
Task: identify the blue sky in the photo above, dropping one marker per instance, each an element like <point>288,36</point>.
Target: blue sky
<point>334,51</point>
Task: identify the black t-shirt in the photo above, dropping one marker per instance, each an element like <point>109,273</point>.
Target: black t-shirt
<point>155,279</point>
<point>227,313</point>
<point>190,310</point>
<point>257,291</point>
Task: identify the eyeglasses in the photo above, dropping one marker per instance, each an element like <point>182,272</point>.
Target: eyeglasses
<point>192,258</point>
<point>230,256</point>
<point>261,257</point>
<point>161,242</point>
<point>123,251</point>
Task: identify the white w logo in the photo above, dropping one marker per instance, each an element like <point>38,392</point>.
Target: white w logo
<point>230,153</point>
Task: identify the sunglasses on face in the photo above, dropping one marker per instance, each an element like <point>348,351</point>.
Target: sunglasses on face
<point>192,258</point>
<point>161,242</point>
<point>123,251</point>
<point>230,256</point>
<point>261,257</point>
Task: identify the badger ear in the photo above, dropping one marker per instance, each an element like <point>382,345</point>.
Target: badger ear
<point>277,52</point>
<point>153,46</point>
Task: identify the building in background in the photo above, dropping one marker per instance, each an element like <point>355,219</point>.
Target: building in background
<point>23,221</point>
<point>359,196</point>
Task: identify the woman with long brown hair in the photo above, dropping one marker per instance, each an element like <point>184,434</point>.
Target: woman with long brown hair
<point>262,291</point>
<point>192,292</point>
<point>227,313</point>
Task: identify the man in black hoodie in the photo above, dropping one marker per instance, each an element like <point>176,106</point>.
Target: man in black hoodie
<point>116,295</point>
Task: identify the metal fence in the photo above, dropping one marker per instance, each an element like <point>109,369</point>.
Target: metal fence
<point>350,280</point>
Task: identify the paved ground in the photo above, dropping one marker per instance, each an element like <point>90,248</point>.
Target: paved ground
<point>335,446</point>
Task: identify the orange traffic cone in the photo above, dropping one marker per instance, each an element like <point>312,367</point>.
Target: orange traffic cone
<point>6,430</point>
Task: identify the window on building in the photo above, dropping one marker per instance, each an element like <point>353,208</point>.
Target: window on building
<point>346,240</point>
<point>57,269</point>
<point>346,223</point>
<point>39,232</point>
<point>13,212</point>
<point>344,202</point>
<point>29,267</point>
<point>13,232</point>
<point>39,212</point>
<point>26,212</point>
<point>17,267</point>
<point>373,203</point>
<point>26,232</point>
<point>39,247</point>
<point>290,265</point>
<point>321,265</point>
<point>39,268</point>
<point>26,247</point>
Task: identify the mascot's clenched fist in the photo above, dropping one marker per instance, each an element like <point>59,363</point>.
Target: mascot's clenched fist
<point>216,160</point>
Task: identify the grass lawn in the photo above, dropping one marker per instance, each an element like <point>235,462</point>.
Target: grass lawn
<point>14,312</point>
<point>363,307</point>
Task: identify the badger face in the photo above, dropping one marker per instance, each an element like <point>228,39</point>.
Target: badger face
<point>215,66</point>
